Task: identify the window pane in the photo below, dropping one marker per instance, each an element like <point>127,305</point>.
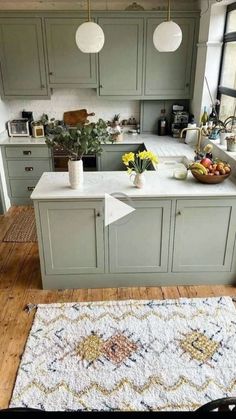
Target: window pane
<point>228,77</point>
<point>231,22</point>
<point>227,106</point>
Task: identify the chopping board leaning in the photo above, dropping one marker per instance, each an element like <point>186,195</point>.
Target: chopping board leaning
<point>73,118</point>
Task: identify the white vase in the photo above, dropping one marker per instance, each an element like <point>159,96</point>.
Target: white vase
<point>223,136</point>
<point>76,174</point>
<point>139,180</point>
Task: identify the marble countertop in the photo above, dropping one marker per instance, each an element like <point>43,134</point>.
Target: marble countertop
<point>159,184</point>
<point>12,141</point>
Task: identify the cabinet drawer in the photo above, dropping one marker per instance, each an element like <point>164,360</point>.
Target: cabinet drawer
<point>27,152</point>
<point>22,188</point>
<point>28,169</point>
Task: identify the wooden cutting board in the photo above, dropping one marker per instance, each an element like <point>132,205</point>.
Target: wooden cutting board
<point>72,118</point>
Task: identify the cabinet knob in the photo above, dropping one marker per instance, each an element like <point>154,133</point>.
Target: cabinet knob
<point>98,214</point>
<point>101,86</point>
<point>31,188</point>
<point>27,152</point>
<point>179,213</point>
<point>187,85</point>
<point>50,73</point>
<point>29,169</point>
<point>42,86</point>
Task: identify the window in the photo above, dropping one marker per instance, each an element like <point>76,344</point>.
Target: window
<point>227,84</point>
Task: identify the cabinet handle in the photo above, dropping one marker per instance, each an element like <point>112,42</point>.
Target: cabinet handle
<point>187,85</point>
<point>27,152</point>
<point>29,169</point>
<point>31,188</point>
<point>98,214</point>
<point>50,73</point>
<point>179,213</point>
<point>101,86</point>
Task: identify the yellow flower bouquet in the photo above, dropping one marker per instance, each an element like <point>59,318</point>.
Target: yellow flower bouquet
<point>138,163</point>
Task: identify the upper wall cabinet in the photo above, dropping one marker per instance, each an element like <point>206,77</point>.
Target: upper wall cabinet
<point>120,60</point>
<point>170,75</point>
<point>67,64</point>
<point>22,58</point>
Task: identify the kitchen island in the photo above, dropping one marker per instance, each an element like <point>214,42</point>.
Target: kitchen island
<point>181,232</point>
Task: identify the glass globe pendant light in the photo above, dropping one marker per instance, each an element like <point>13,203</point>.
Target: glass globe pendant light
<point>89,36</point>
<point>167,36</point>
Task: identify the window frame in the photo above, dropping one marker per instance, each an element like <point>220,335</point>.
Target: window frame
<point>228,37</point>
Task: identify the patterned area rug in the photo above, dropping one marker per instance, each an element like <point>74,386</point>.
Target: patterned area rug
<point>129,355</point>
<point>23,228</point>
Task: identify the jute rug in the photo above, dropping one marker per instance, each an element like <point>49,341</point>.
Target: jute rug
<point>23,228</point>
<point>129,356</point>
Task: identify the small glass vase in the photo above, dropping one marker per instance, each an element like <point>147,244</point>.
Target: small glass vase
<point>139,180</point>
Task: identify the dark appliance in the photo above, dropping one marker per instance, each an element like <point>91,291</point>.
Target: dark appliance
<point>60,160</point>
<point>179,120</point>
<point>29,116</point>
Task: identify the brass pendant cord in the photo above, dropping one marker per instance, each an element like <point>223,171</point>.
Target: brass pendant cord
<point>89,10</point>
<point>168,14</point>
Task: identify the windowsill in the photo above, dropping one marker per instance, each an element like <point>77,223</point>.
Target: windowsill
<point>231,154</point>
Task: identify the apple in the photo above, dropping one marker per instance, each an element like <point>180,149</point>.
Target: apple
<point>206,162</point>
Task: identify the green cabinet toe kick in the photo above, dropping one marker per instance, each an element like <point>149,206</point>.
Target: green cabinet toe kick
<point>163,242</point>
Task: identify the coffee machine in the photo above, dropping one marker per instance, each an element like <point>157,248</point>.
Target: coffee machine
<point>179,119</point>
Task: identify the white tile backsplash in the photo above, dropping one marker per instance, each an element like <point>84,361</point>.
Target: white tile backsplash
<point>67,100</point>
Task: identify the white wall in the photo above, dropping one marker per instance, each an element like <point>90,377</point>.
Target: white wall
<point>95,4</point>
<point>67,100</point>
<point>208,56</point>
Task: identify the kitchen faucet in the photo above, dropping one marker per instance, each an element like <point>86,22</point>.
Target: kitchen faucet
<point>198,145</point>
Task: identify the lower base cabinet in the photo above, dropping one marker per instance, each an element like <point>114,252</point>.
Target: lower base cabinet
<point>204,235</point>
<point>139,242</point>
<point>163,242</point>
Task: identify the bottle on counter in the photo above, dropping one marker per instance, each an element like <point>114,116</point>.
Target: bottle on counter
<point>191,136</point>
<point>204,117</point>
<point>162,125</point>
<point>213,116</point>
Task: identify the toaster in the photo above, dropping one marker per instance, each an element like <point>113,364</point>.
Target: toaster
<point>18,127</point>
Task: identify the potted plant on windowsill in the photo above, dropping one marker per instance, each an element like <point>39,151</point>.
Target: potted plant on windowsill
<point>78,141</point>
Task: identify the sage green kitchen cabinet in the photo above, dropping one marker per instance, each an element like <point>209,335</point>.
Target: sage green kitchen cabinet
<point>204,235</point>
<point>139,242</point>
<point>22,58</point>
<point>67,64</point>
<point>23,166</point>
<point>121,59</point>
<point>170,75</point>
<point>73,237</point>
<point>111,156</point>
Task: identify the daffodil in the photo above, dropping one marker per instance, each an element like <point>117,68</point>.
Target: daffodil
<point>128,158</point>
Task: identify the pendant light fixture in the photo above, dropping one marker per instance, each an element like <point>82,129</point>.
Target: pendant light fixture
<point>89,36</point>
<point>167,36</point>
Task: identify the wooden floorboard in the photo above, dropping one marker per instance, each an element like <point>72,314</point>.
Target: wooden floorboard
<point>20,284</point>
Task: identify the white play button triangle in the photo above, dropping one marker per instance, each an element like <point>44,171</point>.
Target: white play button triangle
<point>115,209</point>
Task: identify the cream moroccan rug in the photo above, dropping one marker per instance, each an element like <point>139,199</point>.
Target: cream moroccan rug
<point>129,355</point>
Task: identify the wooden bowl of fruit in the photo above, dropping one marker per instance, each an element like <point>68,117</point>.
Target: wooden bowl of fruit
<point>208,171</point>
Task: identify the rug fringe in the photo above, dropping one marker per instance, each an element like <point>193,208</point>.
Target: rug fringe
<point>30,307</point>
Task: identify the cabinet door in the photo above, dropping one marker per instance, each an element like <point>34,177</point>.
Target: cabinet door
<point>204,235</point>
<point>67,64</point>
<point>120,60</point>
<point>22,57</point>
<point>170,74</point>
<point>139,242</point>
<point>73,239</point>
<point>111,157</point>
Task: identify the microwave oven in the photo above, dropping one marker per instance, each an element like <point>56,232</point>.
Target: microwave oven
<point>18,127</point>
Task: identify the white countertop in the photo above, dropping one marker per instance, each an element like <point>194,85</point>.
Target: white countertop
<point>160,183</point>
<point>5,140</point>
